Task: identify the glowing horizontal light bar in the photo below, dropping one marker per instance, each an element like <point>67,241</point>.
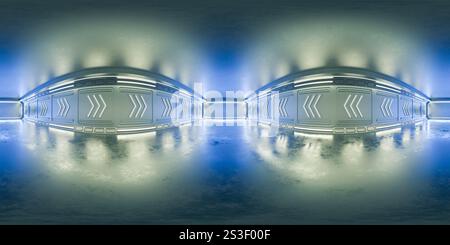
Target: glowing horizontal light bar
<point>389,126</point>
<point>314,129</point>
<point>60,126</point>
<point>61,88</point>
<point>388,84</point>
<point>440,102</point>
<point>316,136</point>
<point>134,129</point>
<point>9,119</point>
<point>137,83</point>
<point>135,136</point>
<point>137,79</point>
<point>61,130</point>
<point>9,101</point>
<point>312,83</point>
<point>312,79</point>
<point>388,88</point>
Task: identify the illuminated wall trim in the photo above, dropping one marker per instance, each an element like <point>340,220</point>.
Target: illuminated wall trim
<point>338,101</point>
<point>111,101</point>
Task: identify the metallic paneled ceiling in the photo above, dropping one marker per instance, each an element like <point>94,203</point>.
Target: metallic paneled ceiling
<point>227,45</point>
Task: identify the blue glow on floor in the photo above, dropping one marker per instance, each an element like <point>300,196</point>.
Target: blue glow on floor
<point>216,175</point>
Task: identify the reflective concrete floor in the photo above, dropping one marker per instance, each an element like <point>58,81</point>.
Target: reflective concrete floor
<point>231,175</point>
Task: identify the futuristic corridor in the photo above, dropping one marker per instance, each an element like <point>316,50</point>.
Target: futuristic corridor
<point>224,112</point>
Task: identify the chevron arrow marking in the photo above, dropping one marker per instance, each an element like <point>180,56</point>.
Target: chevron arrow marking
<point>98,105</point>
<point>315,105</point>
<point>67,107</point>
<point>145,106</point>
<point>95,107</point>
<point>284,107</point>
<point>104,106</point>
<point>388,106</point>
<point>134,106</point>
<point>43,108</point>
<point>60,107</point>
<point>309,106</point>
<point>382,107</point>
<point>304,106</point>
<point>353,106</point>
<point>357,106</point>
<point>165,107</point>
<point>92,106</point>
<point>345,106</point>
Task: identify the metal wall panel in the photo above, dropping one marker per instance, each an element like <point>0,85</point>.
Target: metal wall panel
<point>316,106</point>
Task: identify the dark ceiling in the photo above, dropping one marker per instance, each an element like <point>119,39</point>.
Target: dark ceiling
<point>227,45</point>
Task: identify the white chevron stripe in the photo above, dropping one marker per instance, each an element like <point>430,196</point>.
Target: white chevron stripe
<point>145,106</point>
<point>351,106</point>
<point>389,107</point>
<point>92,106</point>
<point>309,106</point>
<point>284,107</point>
<point>97,107</point>
<point>60,106</point>
<point>315,105</point>
<point>382,107</point>
<point>357,106</point>
<point>345,106</point>
<point>304,106</point>
<point>104,106</point>
<point>67,106</point>
<point>134,106</point>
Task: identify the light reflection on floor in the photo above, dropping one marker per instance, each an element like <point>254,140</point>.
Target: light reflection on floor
<point>241,174</point>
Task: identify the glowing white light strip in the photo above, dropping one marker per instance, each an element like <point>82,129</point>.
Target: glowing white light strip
<point>61,88</point>
<point>137,78</point>
<point>391,89</point>
<point>134,129</point>
<point>137,83</point>
<point>9,101</point>
<point>440,102</point>
<point>313,83</point>
<point>60,126</point>
<point>311,79</point>
<point>388,84</point>
<point>388,131</point>
<point>316,136</point>
<point>314,129</point>
<point>135,136</point>
<point>389,126</point>
<point>61,84</point>
<point>10,119</point>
